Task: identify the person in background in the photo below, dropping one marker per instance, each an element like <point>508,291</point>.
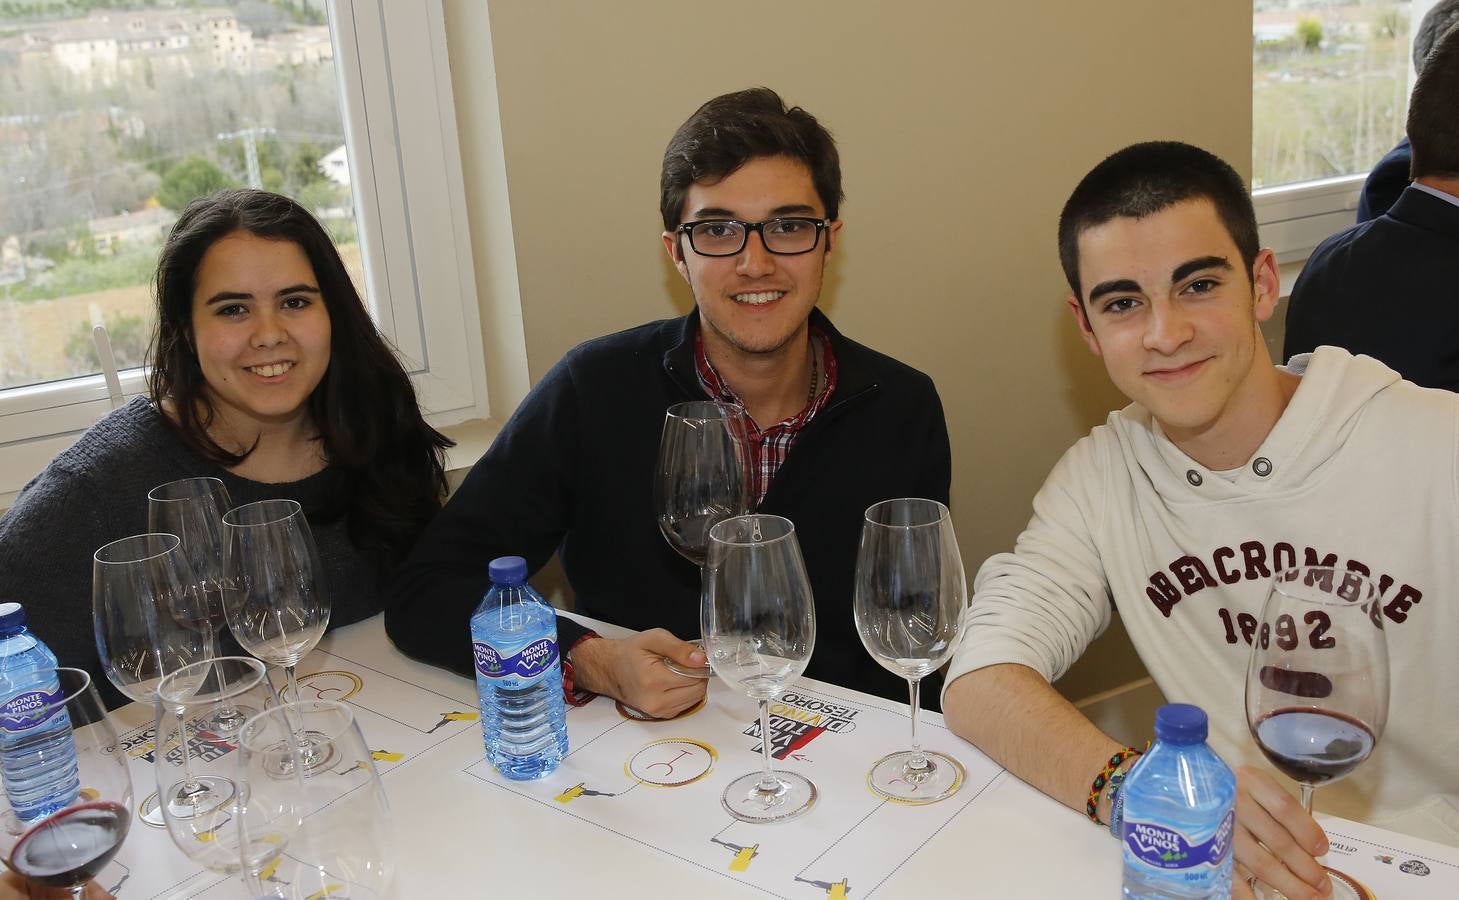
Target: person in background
<point>267,373</point>
<point>1389,178</point>
<point>750,197</point>
<point>1178,510</point>
<point>1387,287</point>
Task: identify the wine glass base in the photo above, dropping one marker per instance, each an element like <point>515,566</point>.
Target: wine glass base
<point>1344,887</point>
<point>212,792</point>
<point>893,778</point>
<point>317,750</point>
<point>687,671</point>
<point>225,723</point>
<point>794,796</point>
<point>149,812</point>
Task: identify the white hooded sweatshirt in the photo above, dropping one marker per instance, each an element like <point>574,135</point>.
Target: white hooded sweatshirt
<point>1359,472</point>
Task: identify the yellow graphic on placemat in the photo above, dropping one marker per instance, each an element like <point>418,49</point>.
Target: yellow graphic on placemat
<point>671,762</point>
<point>580,790</point>
<point>386,756</point>
<point>743,855</point>
<point>327,892</point>
<point>836,890</point>
<point>332,685</point>
<point>455,716</point>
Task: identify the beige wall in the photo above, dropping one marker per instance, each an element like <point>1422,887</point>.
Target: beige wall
<point>962,128</point>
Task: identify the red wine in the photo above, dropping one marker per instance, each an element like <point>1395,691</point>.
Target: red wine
<point>71,846</point>
<point>1313,746</point>
<point>690,534</point>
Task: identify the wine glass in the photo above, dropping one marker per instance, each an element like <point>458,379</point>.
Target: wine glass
<point>66,843</point>
<point>909,601</point>
<point>148,621</point>
<point>759,625</point>
<point>273,591</point>
<point>187,703</point>
<point>1317,685</point>
<point>193,509</point>
<point>701,479</point>
<point>341,848</point>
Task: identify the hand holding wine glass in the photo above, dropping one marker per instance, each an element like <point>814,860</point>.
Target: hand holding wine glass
<point>909,602</point>
<point>1317,683</point>
<point>702,478</point>
<point>66,846</point>
<point>758,619</point>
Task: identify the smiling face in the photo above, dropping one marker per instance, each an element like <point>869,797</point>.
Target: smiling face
<point>261,331</point>
<point>754,302</point>
<point>1173,315</point>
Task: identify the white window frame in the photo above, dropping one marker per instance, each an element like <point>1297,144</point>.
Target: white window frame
<point>1294,218</point>
<point>409,195</point>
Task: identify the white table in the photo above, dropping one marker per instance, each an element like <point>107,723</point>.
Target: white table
<point>458,837</point>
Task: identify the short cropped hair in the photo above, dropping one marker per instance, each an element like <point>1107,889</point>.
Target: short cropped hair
<point>1433,111</point>
<point>1144,179</point>
<point>1441,17</point>
<point>733,129</point>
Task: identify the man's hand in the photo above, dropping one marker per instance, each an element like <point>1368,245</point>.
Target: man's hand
<point>632,669</point>
<point>13,887</point>
<point>1276,840</point>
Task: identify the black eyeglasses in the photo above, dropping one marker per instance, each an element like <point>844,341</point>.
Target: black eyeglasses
<point>787,236</point>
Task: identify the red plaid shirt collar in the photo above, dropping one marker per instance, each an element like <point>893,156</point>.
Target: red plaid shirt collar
<point>770,446</point>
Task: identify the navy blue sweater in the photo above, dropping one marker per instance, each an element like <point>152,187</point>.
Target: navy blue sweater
<point>573,469</point>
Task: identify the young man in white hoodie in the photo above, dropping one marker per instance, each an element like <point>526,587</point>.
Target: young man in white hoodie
<point>1179,508</point>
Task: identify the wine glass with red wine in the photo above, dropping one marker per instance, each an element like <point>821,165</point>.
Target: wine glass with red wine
<point>83,823</point>
<point>1317,685</point>
<point>701,479</point>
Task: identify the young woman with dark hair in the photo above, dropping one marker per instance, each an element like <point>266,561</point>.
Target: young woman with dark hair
<point>268,373</point>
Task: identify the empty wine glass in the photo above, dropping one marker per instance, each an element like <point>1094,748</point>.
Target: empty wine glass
<point>759,625</point>
<point>148,620</point>
<point>909,601</point>
<point>193,509</point>
<point>701,479</point>
<point>273,591</point>
<point>341,849</point>
<point>1317,685</point>
<point>79,832</point>
<point>187,701</point>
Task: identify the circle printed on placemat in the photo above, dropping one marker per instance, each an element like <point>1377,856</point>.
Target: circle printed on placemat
<point>671,762</point>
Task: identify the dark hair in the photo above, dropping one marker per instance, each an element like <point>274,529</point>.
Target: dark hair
<point>370,427</point>
<point>733,129</point>
<point>1433,111</point>
<point>1144,179</point>
<point>1441,17</point>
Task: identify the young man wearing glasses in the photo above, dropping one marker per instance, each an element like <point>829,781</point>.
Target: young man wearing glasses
<point>750,197</point>
<point>1178,511</point>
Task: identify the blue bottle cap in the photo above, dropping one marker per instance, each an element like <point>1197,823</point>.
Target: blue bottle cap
<point>507,570</point>
<point>12,617</point>
<point>1180,723</point>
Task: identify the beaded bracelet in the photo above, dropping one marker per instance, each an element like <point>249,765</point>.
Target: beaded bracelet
<point>1092,805</point>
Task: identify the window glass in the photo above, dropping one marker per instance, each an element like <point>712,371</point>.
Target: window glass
<point>113,116</point>
<point>1330,86</point>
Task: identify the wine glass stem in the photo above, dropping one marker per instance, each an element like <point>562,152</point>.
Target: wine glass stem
<point>293,685</point>
<point>189,786</point>
<point>914,687</point>
<point>1307,797</point>
<point>768,781</point>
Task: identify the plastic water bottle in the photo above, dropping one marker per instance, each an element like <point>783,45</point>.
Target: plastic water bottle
<point>37,754</point>
<point>518,674</point>
<point>1179,812</point>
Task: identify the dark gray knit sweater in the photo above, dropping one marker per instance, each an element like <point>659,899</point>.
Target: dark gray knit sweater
<point>96,492</point>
